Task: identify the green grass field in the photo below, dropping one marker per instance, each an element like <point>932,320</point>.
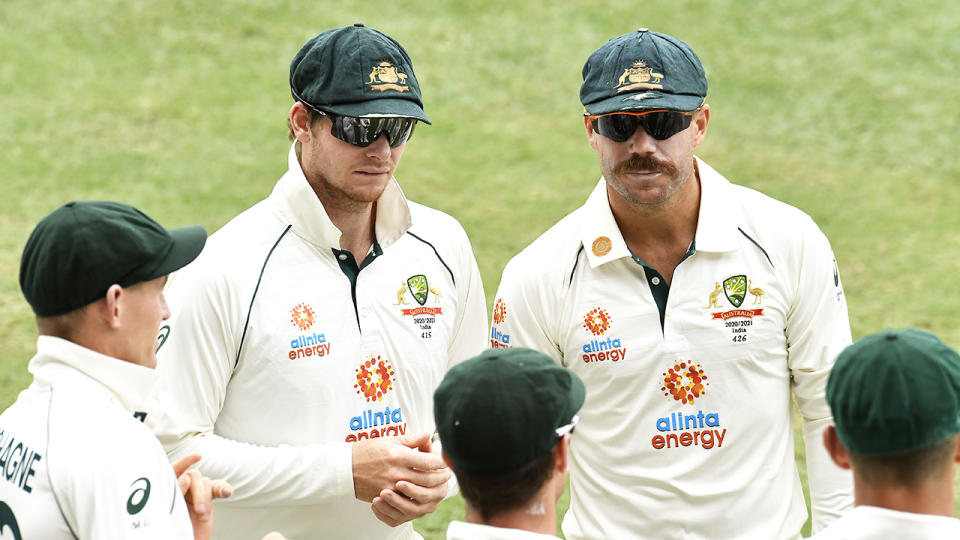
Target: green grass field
<point>840,108</point>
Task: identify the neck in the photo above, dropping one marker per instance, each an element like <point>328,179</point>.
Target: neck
<point>539,516</point>
<point>356,226</point>
<point>934,496</point>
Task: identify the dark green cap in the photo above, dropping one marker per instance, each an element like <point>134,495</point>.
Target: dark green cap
<point>356,71</point>
<point>643,70</point>
<point>500,411</point>
<point>895,392</point>
<point>83,248</point>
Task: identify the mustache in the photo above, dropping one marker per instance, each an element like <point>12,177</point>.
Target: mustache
<point>636,163</point>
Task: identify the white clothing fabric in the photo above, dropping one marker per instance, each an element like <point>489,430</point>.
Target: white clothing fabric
<point>279,355</point>
<point>78,461</point>
<point>875,523</point>
<point>686,430</point>
<point>461,530</point>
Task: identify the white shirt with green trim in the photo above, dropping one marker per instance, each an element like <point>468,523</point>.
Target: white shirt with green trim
<point>461,530</point>
<point>77,460</point>
<point>686,429</point>
<point>279,354</point>
<point>875,523</point>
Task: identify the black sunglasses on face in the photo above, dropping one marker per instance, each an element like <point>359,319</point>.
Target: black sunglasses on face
<point>659,124</point>
<point>363,131</point>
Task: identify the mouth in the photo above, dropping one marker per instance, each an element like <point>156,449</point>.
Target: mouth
<point>372,171</point>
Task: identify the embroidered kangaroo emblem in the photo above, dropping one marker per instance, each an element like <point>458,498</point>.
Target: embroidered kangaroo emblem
<point>400,295</point>
<point>436,293</point>
<point>713,298</point>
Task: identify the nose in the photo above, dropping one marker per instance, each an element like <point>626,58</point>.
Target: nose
<point>641,142</point>
<point>379,148</point>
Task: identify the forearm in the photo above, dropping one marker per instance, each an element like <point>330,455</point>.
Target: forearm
<point>266,475</point>
<point>831,488</point>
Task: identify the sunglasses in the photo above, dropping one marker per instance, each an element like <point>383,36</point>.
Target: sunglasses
<point>659,124</point>
<point>363,131</point>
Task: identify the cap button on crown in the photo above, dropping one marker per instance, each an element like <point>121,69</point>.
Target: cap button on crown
<point>358,25</point>
<point>891,336</point>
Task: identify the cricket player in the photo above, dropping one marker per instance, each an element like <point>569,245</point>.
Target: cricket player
<point>505,419</point>
<point>77,460</point>
<point>895,397</point>
<point>307,339</point>
<point>694,310</point>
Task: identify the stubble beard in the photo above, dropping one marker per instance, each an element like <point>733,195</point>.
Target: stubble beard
<point>646,163</point>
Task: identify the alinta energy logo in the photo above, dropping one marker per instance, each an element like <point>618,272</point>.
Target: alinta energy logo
<point>686,382</point>
<point>499,339</point>
<point>597,322</point>
<point>375,379</point>
<point>308,343</point>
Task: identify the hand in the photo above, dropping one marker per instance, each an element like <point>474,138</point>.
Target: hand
<point>385,464</point>
<point>199,492</point>
<point>407,502</point>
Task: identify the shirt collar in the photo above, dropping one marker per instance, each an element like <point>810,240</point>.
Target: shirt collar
<point>129,383</point>
<point>461,530</point>
<point>298,205</point>
<point>603,241</point>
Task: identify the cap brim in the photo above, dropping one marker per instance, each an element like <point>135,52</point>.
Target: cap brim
<point>647,100</point>
<point>381,107</point>
<point>188,242</point>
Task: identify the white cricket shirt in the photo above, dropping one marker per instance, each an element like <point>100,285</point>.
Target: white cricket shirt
<point>280,354</point>
<point>461,530</point>
<point>686,429</point>
<point>875,523</point>
<point>77,460</point>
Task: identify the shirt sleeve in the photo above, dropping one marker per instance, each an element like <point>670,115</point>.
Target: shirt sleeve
<point>471,324</point>
<point>195,363</point>
<point>523,308</point>
<point>817,330</point>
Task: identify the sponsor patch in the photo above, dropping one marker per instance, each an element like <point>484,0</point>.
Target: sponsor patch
<point>597,322</point>
<point>308,343</point>
<point>685,382</point>
<point>499,339</point>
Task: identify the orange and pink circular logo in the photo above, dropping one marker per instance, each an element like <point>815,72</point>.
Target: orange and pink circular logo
<point>684,381</point>
<point>499,312</point>
<point>374,379</point>
<point>302,316</point>
<point>597,321</point>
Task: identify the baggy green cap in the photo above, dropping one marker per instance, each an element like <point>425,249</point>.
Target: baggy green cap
<point>81,249</point>
<point>356,71</point>
<point>895,392</point>
<point>500,411</point>
<point>643,70</point>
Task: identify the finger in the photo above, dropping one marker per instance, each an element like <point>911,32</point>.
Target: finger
<point>418,441</point>
<point>424,461</point>
<point>184,482</point>
<point>201,492</point>
<point>420,494</point>
<point>386,513</point>
<point>181,465</point>
<point>221,489</point>
<point>428,479</point>
<point>408,508</point>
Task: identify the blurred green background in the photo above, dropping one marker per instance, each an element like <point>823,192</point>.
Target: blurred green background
<point>845,109</point>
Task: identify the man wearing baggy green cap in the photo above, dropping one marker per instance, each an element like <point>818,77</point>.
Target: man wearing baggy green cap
<point>696,311</point>
<point>895,397</point>
<point>77,458</point>
<point>505,419</point>
<point>306,340</point>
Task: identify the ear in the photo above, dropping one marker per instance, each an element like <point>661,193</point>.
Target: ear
<point>591,134</point>
<point>300,122</point>
<point>562,455</point>
<point>836,450</point>
<point>700,120</point>
<point>446,459</point>
<point>956,454</point>
<point>112,306</point>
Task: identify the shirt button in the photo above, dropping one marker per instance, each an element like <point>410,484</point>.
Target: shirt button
<point>342,256</point>
<point>655,280</point>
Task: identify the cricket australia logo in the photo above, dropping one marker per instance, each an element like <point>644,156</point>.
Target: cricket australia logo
<point>639,75</point>
<point>388,77</point>
<point>418,288</point>
<point>735,289</point>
